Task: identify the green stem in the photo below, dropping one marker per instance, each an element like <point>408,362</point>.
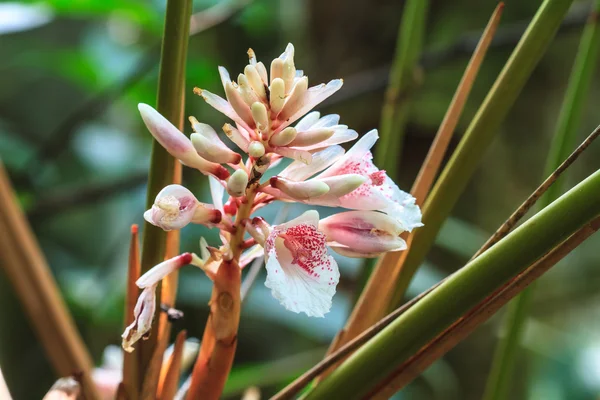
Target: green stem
<point>480,134</point>
<point>170,103</point>
<point>403,338</point>
<point>394,114</point>
<point>564,141</point>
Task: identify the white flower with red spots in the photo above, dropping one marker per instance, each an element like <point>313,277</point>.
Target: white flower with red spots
<point>272,120</point>
<point>300,272</point>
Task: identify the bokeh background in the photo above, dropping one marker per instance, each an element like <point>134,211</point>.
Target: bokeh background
<point>72,72</point>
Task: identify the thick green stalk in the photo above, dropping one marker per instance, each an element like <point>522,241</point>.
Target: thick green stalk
<point>170,103</point>
<point>481,132</point>
<point>395,108</point>
<point>461,292</point>
<point>498,383</point>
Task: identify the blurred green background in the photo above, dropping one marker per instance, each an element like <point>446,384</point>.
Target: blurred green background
<point>72,72</point>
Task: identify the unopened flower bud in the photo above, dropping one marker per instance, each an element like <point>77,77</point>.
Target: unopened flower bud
<point>236,185</point>
<point>246,90</point>
<point>176,143</point>
<point>160,271</point>
<point>259,113</point>
<point>175,207</point>
<point>214,150</point>
<point>284,137</point>
<point>304,190</point>
<point>363,233</point>
<point>341,185</point>
<point>295,99</point>
<point>256,149</point>
<point>238,104</point>
<point>255,81</point>
<point>276,69</point>
<point>259,229</point>
<point>312,137</point>
<point>277,98</point>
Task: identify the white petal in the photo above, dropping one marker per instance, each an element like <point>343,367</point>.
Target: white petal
<point>223,106</point>
<point>144,313</point>
<point>158,272</point>
<point>299,171</point>
<point>295,154</point>
<point>340,136</point>
<point>216,191</point>
<point>327,121</point>
<point>224,74</point>
<point>304,284</point>
<point>309,120</point>
<point>311,98</point>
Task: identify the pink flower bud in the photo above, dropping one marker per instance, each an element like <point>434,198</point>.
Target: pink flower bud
<point>255,81</point>
<point>300,190</point>
<point>238,104</point>
<point>176,143</point>
<point>294,100</point>
<point>209,145</point>
<point>362,233</point>
<point>259,229</point>
<point>158,272</point>
<point>175,207</point>
<point>284,137</point>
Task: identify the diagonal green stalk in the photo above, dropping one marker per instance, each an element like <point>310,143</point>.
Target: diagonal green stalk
<point>170,103</point>
<point>403,338</point>
<point>498,383</point>
<point>480,133</point>
<point>395,108</point>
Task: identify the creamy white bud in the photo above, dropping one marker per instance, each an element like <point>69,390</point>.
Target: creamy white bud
<point>160,271</point>
<point>255,81</point>
<point>256,149</point>
<point>260,115</point>
<point>276,69</point>
<point>288,72</point>
<point>214,150</point>
<point>304,190</point>
<point>341,185</point>
<point>236,185</point>
<point>284,137</point>
<point>295,99</point>
<point>238,104</point>
<point>312,137</point>
<point>277,97</point>
<point>246,90</point>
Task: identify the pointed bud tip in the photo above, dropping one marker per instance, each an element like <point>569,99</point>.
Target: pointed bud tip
<point>134,229</point>
<point>222,173</point>
<point>185,258</point>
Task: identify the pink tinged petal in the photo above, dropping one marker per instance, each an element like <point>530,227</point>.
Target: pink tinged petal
<point>300,273</point>
<point>364,233</point>
<point>299,171</point>
<point>256,81</point>
<point>312,137</point>
<point>327,121</point>
<point>277,70</point>
<point>158,272</point>
<point>305,190</point>
<point>236,137</point>
<point>284,137</point>
<point>221,105</point>
<point>214,150</point>
<point>295,154</point>
<point>238,104</point>
<point>311,98</point>
<point>144,313</point>
<point>236,185</point>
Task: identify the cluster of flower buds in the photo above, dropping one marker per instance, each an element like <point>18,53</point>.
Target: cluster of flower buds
<point>272,121</point>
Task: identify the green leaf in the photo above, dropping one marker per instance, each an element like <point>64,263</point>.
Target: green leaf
<point>481,132</point>
<point>400,340</point>
<point>498,383</point>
